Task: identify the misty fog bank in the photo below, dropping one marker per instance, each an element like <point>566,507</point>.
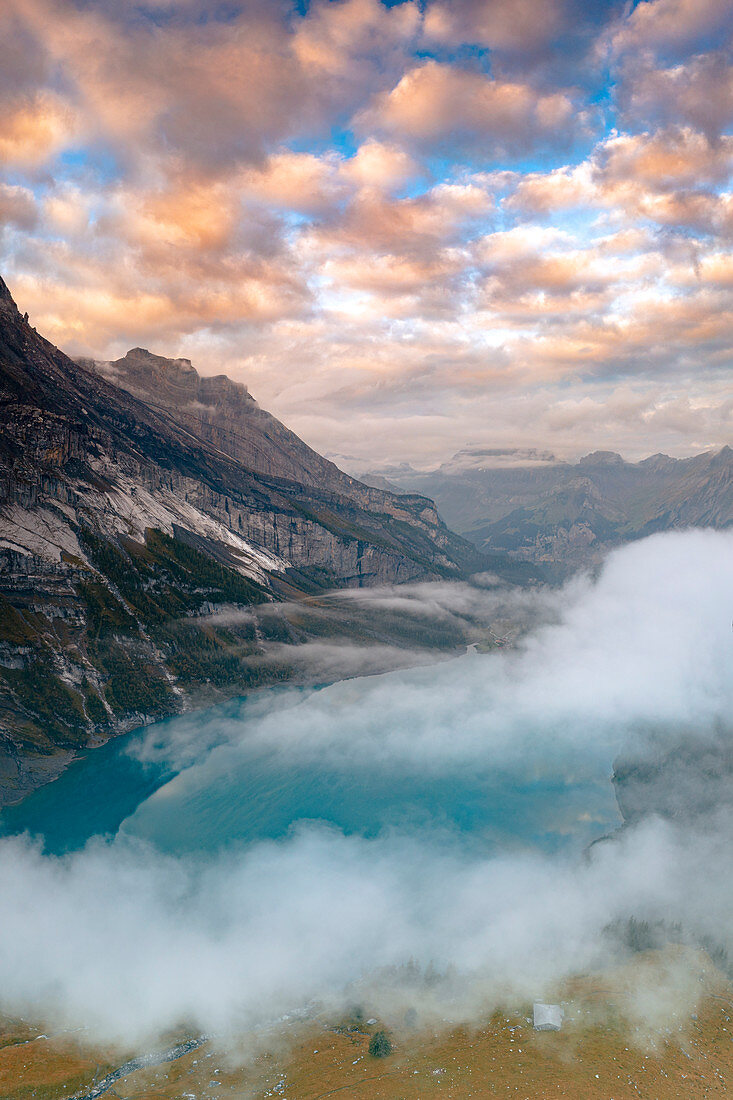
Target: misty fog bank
<point>128,941</point>
<point>647,645</point>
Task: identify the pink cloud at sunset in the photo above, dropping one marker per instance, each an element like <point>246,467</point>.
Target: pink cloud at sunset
<point>406,226</point>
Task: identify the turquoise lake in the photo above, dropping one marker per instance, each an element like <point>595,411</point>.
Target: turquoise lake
<point>226,798</point>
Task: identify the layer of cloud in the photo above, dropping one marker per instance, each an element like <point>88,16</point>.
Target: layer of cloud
<point>645,645</point>
<point>313,202</point>
<point>672,25</point>
<point>434,104</point>
<point>127,942</point>
<point>524,26</point>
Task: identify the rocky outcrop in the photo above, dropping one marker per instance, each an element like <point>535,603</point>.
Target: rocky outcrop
<point>224,413</point>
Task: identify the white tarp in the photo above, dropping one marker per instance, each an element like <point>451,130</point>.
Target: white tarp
<point>548,1017</point>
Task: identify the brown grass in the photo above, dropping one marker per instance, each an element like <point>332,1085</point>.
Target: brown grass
<point>660,1029</point>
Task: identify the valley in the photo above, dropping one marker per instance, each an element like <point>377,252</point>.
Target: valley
<point>564,517</point>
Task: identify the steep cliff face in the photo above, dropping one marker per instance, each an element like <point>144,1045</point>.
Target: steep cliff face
<point>224,413</point>
<point>123,523</point>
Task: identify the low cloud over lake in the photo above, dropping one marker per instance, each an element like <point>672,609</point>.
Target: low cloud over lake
<point>127,940</point>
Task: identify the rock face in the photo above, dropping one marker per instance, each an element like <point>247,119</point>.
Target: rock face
<point>225,414</point>
<point>126,510</point>
<point>562,516</point>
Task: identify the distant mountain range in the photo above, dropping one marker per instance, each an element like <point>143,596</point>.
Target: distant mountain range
<point>563,516</point>
<point>135,499</point>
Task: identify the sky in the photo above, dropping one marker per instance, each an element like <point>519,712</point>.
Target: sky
<point>408,227</point>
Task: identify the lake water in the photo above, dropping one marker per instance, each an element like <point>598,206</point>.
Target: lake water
<point>222,796</point>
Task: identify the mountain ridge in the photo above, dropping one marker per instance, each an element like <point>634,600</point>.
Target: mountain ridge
<point>122,526</point>
<point>175,386</point>
<point>563,516</point>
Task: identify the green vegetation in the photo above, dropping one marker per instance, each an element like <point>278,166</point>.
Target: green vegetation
<point>260,673</point>
<point>185,561</point>
<point>195,655</point>
<point>313,579</point>
<point>380,1045</point>
<point>14,629</point>
<point>275,628</point>
<point>159,585</point>
<point>105,613</point>
<point>166,578</point>
<point>133,684</point>
<point>44,695</point>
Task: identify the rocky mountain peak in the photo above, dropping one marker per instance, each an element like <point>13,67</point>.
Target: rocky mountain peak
<point>172,382</point>
<point>658,461</point>
<point>5,295</point>
<point>159,362</point>
<point>10,316</point>
<point>223,412</point>
<point>724,457</point>
<point>601,458</point>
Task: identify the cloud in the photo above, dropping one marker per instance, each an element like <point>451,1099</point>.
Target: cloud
<point>698,94</point>
<point>408,226</point>
<point>185,85</point>
<point>524,266</point>
<point>216,91</point>
<point>671,62</point>
<point>295,181</point>
<point>17,207</point>
<point>324,661</point>
<point>634,206</point>
<point>669,176</point>
<point>33,129</point>
<point>524,26</point>
<point>380,165</point>
<point>348,44</point>
<point>128,942</point>
<point>313,200</point>
<point>672,25</point>
<point>661,657</point>
<point>216,948</point>
<point>400,256</point>
<point>667,158</point>
<point>439,105</point>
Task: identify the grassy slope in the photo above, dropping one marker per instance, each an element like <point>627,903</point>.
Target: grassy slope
<point>603,1052</point>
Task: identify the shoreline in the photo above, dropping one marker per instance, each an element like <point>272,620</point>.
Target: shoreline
<point>60,761</point>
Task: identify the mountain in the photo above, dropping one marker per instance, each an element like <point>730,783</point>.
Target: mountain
<point>135,499</point>
<point>225,414</point>
<point>563,516</point>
